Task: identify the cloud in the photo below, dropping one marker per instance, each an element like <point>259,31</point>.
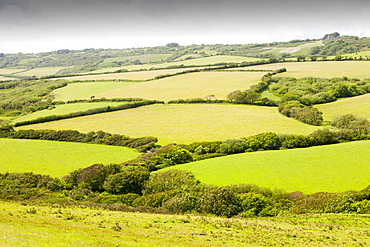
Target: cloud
<point>46,24</point>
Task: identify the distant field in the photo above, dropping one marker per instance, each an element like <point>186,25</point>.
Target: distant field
<point>197,61</point>
<point>57,158</point>
<point>65,109</point>
<point>41,71</point>
<point>331,168</point>
<point>185,123</point>
<point>3,78</point>
<point>359,105</point>
<point>194,85</point>
<point>9,71</point>
<point>85,90</point>
<point>327,69</point>
<point>139,75</point>
<point>147,58</point>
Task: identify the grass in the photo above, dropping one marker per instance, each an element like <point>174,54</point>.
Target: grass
<point>57,158</point>
<point>327,69</point>
<point>41,71</point>
<point>9,71</point>
<point>185,123</point>
<point>25,225</point>
<point>197,61</point>
<point>139,75</point>
<point>331,168</point>
<point>66,109</point>
<point>356,105</point>
<point>193,85</point>
<point>4,78</point>
<point>85,90</point>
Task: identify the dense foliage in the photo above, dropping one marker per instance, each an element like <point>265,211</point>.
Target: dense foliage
<point>172,191</point>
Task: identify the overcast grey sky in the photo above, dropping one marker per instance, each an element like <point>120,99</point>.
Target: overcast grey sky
<point>47,25</point>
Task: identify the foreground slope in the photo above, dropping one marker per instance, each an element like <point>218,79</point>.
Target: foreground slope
<point>57,158</point>
<point>46,226</point>
<point>331,168</point>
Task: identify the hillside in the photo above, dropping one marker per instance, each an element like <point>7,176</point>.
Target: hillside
<point>332,168</point>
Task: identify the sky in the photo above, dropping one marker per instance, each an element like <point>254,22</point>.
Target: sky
<point>32,26</point>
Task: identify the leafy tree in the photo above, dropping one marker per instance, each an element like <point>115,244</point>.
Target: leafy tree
<point>233,146</point>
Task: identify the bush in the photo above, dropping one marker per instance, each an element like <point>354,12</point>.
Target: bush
<point>220,202</point>
<point>170,180</point>
<point>126,182</point>
<point>181,203</point>
<point>233,146</point>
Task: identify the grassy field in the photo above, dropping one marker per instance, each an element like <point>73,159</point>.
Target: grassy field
<point>194,85</point>
<point>66,109</point>
<point>85,90</point>
<point>9,71</point>
<point>139,75</point>
<point>24,225</point>
<point>356,105</point>
<point>327,69</point>
<point>197,61</point>
<point>185,123</point>
<point>57,158</point>
<point>331,168</point>
<point>41,71</point>
<point>4,78</point>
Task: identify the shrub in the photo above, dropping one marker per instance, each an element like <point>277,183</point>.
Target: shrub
<point>220,202</point>
<point>181,203</point>
<point>233,146</point>
<point>170,180</point>
<point>126,182</point>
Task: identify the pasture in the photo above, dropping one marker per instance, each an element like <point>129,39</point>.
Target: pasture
<point>326,69</point>
<point>330,168</point>
<point>4,71</point>
<point>66,109</point>
<point>41,71</point>
<point>197,61</point>
<point>26,225</point>
<point>186,123</point>
<point>136,75</point>
<point>193,85</point>
<point>358,105</point>
<point>85,90</point>
<point>57,159</point>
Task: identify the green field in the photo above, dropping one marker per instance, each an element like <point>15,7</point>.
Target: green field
<point>326,69</point>
<point>4,78</point>
<point>138,75</point>
<point>41,71</point>
<point>9,71</point>
<point>331,168</point>
<point>24,225</point>
<point>197,61</point>
<point>85,90</point>
<point>57,158</point>
<point>193,85</point>
<point>186,123</point>
<point>356,105</point>
<point>66,109</point>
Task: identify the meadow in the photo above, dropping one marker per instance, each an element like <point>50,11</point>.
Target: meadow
<point>40,71</point>
<point>193,85</point>
<point>57,159</point>
<point>135,75</point>
<point>358,105</point>
<point>186,123</point>
<point>85,90</point>
<point>326,69</point>
<point>330,168</point>
<point>66,109</point>
<point>197,61</point>
<point>29,225</point>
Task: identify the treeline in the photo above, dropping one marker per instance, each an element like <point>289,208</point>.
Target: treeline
<point>95,137</point>
<point>129,105</point>
<point>116,187</point>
